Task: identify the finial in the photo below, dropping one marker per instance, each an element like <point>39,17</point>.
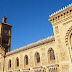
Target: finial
<point>4,20</point>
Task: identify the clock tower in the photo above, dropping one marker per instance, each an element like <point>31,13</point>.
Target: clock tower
<point>5,35</point>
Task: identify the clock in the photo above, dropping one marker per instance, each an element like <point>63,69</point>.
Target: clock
<point>5,31</point>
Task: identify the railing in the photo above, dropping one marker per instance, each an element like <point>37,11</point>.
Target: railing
<point>51,68</point>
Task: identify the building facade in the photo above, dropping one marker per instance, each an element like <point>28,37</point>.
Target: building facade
<point>52,54</point>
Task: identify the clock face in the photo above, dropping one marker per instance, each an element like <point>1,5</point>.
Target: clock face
<point>6,31</point>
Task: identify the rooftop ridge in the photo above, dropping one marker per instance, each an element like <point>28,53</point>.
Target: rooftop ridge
<point>60,10</point>
<point>48,39</point>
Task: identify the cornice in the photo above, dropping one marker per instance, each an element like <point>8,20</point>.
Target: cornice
<point>62,20</point>
<point>55,65</point>
<point>37,67</point>
<point>40,42</point>
<point>7,24</point>
<point>26,69</point>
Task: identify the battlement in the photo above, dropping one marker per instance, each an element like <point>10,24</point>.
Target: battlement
<point>60,10</point>
<point>61,15</point>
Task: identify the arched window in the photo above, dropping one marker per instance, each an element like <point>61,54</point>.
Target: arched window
<point>71,39</point>
<point>9,63</point>
<point>51,54</point>
<point>17,61</point>
<point>26,60</point>
<point>37,57</point>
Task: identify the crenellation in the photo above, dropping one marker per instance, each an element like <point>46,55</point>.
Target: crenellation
<point>59,16</point>
<point>60,10</point>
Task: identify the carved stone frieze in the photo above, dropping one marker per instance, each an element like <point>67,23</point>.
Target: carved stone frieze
<point>62,20</point>
<point>67,22</point>
<point>67,35</point>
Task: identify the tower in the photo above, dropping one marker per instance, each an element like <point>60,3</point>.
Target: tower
<point>62,26</point>
<point>5,35</point>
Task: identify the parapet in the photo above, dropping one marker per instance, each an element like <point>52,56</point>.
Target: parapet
<point>61,13</point>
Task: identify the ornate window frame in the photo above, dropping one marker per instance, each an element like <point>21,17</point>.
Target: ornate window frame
<point>68,35</point>
<point>67,41</point>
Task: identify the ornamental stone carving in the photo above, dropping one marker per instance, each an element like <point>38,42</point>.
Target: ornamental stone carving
<point>67,35</point>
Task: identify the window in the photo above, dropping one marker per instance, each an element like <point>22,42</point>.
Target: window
<point>51,54</point>
<point>17,61</point>
<point>37,57</point>
<point>26,59</point>
<point>4,42</point>
<point>9,63</point>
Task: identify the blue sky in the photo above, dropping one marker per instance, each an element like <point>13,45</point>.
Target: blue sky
<point>29,19</point>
